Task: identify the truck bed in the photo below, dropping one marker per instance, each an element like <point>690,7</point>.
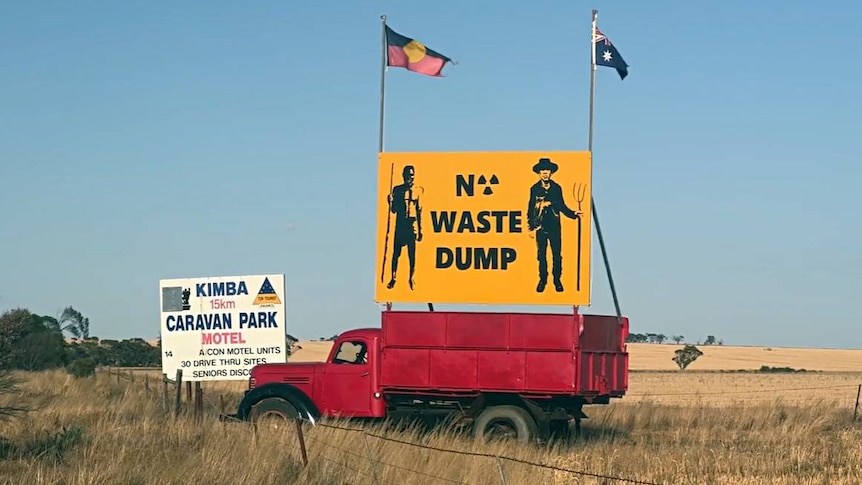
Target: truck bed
<point>528,353</point>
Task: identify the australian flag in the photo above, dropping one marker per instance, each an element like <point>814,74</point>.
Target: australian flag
<point>607,55</point>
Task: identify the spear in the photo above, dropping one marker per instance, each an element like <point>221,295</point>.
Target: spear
<point>388,221</point>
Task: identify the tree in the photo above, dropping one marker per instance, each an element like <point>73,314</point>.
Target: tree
<point>30,342</point>
<point>710,340</point>
<point>13,327</point>
<point>677,338</point>
<point>74,322</point>
<point>686,355</point>
<point>89,349</point>
<point>660,338</point>
<point>85,367</point>
<point>636,338</point>
<point>291,344</point>
<point>131,353</point>
<point>42,348</point>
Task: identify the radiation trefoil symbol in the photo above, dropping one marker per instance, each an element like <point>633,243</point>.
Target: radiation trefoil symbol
<point>488,190</point>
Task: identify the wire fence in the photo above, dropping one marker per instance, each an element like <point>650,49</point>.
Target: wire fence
<point>376,462</point>
<point>497,459</point>
<point>794,394</point>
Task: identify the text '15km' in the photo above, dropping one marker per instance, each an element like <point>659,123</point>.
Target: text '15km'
<point>219,304</point>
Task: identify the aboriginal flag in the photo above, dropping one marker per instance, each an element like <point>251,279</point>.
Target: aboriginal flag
<point>413,55</point>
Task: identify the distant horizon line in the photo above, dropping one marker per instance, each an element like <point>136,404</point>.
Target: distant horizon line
<point>155,340</point>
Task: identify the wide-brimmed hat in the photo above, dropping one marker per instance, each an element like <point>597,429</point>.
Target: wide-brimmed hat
<point>545,164</point>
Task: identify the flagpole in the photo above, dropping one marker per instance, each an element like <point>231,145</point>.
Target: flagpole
<point>592,73</point>
<point>383,55</point>
<point>590,145</point>
<point>382,81</point>
<point>380,141</point>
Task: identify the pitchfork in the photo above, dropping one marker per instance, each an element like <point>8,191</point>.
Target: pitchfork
<point>579,192</point>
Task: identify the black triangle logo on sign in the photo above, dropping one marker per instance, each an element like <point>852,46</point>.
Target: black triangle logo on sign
<point>267,294</point>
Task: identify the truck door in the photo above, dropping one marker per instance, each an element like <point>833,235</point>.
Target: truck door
<point>347,384</point>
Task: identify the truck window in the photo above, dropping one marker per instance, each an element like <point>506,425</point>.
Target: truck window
<point>351,353</point>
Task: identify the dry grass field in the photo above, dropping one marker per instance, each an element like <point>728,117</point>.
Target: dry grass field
<point>840,371</point>
<point>709,424</point>
<point>105,430</point>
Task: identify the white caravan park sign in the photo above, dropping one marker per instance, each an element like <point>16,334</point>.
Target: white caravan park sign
<point>217,329</point>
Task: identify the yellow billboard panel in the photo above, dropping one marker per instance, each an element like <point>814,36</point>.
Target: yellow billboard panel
<point>484,227</point>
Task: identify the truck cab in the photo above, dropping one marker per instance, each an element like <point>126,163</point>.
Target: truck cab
<point>345,385</point>
<point>349,379</point>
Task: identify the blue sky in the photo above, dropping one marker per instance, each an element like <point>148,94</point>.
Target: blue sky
<point>150,140</point>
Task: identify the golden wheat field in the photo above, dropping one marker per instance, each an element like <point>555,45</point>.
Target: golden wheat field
<point>715,357</point>
<point>838,373</point>
<point>721,357</point>
<point>110,430</point>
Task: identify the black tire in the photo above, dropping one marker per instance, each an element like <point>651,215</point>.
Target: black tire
<point>516,423</point>
<point>274,412</point>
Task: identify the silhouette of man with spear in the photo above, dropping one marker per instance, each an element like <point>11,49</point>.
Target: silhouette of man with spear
<point>404,202</point>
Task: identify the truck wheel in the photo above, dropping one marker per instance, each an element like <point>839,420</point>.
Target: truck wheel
<point>274,412</point>
<point>507,422</point>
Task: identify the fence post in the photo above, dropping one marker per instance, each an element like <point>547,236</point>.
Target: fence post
<point>370,458</point>
<point>179,392</point>
<point>500,469</point>
<point>301,437</point>
<point>198,402</point>
<point>856,409</point>
<point>167,395</point>
<point>254,423</point>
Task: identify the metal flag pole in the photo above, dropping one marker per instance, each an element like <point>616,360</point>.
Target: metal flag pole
<point>383,55</point>
<point>380,139</point>
<point>380,144</point>
<point>382,81</point>
<point>590,147</point>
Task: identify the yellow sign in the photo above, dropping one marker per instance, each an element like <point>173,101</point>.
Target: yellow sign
<point>484,227</point>
<point>267,295</point>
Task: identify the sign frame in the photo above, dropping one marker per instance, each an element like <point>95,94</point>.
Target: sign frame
<point>216,328</point>
<point>438,213</point>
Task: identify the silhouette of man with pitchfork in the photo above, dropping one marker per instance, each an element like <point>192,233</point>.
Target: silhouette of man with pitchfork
<point>543,221</point>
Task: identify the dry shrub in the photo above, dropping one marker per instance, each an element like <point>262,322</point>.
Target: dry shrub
<point>99,431</point>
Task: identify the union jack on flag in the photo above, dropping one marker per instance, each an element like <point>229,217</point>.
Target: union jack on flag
<point>607,55</point>
<point>599,36</point>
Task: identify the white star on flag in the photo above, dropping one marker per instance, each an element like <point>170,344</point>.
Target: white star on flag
<point>606,56</point>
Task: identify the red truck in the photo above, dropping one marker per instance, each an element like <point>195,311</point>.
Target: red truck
<point>522,374</point>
